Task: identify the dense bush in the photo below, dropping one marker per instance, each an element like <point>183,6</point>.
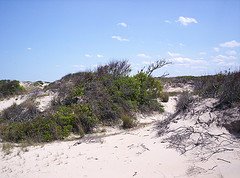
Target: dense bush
<point>208,86</point>
<point>107,95</point>
<point>9,88</point>
<point>39,130</point>
<point>78,119</point>
<point>225,86</point>
<point>229,91</point>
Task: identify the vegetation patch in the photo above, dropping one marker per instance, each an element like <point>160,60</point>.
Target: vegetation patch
<point>128,122</point>
<point>10,88</point>
<point>224,86</point>
<point>108,96</point>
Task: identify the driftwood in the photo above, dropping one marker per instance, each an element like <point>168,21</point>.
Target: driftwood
<point>198,137</point>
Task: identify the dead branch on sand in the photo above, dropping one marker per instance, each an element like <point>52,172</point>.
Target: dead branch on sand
<point>198,137</point>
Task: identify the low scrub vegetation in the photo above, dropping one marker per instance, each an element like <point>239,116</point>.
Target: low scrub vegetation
<point>77,119</point>
<point>23,112</point>
<point>225,86</point>
<point>108,95</point>
<point>165,97</point>
<point>10,88</point>
<point>128,122</point>
<point>184,102</point>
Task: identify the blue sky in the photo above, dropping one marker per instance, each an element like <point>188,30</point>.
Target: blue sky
<point>44,40</point>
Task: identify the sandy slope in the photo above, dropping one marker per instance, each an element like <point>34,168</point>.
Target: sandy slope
<point>133,153</point>
<point>42,100</point>
<point>10,101</point>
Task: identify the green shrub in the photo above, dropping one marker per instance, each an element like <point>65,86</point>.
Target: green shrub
<point>224,86</point>
<point>38,83</point>
<point>85,117</point>
<point>128,122</point>
<point>10,87</point>
<point>7,148</point>
<point>13,132</point>
<point>229,91</point>
<point>2,120</point>
<point>149,88</point>
<point>164,97</point>
<point>108,95</point>
<point>78,91</point>
<point>64,116</point>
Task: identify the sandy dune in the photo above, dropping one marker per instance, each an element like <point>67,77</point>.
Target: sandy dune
<point>133,153</point>
<point>4,104</point>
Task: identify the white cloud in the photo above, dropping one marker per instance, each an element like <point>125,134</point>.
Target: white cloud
<point>87,55</point>
<point>29,49</point>
<point>173,54</point>
<point>119,38</point>
<point>216,49</point>
<point>230,44</point>
<point>231,53</point>
<point>188,61</point>
<point>167,21</point>
<point>99,55</point>
<point>220,58</point>
<point>223,60</point>
<point>186,20</point>
<point>57,65</point>
<point>123,24</point>
<point>142,55</point>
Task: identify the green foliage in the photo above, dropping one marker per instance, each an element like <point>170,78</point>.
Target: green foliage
<point>164,97</point>
<point>84,117</point>
<point>38,83</point>
<point>128,122</point>
<point>229,92</point>
<point>7,148</point>
<point>150,89</point>
<point>224,86</point>
<point>126,87</point>
<point>64,116</point>
<point>10,87</point>
<point>13,132</point>
<point>39,130</point>
<point>2,120</point>
<point>107,95</point>
<point>78,91</point>
<point>77,118</point>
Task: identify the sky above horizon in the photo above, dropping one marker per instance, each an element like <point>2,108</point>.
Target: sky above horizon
<point>45,40</point>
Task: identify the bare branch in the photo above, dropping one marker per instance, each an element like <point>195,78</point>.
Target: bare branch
<point>156,65</point>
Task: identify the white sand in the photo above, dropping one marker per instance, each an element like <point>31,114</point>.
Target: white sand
<point>44,101</point>
<point>9,102</point>
<point>186,87</point>
<point>134,153</point>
